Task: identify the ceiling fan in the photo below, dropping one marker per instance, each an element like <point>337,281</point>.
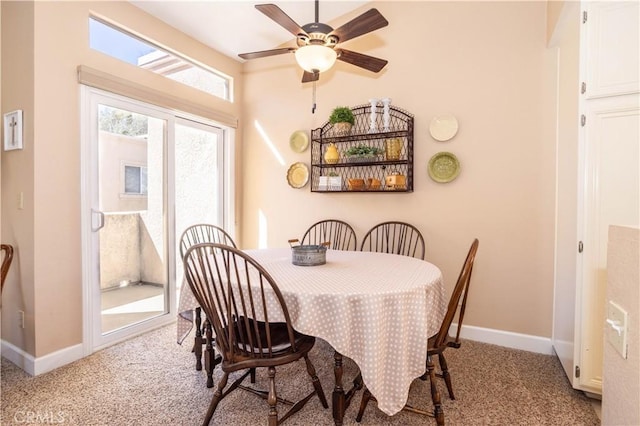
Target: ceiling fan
<point>317,48</point>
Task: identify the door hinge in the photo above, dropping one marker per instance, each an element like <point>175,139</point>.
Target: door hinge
<point>583,120</point>
<point>577,371</point>
<point>583,87</point>
<point>584,17</point>
<point>580,247</point>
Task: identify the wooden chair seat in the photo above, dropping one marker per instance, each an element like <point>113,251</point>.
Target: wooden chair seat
<point>280,344</point>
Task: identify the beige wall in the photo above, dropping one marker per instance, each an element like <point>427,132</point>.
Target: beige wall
<point>488,64</point>
<point>621,377</point>
<point>18,92</point>
<point>48,41</point>
<point>554,12</point>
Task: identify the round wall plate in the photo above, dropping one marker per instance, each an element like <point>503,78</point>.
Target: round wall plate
<point>444,167</point>
<point>443,127</point>
<point>299,141</point>
<point>298,175</point>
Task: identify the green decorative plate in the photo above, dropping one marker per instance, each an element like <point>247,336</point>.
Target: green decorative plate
<point>444,167</point>
<point>299,141</point>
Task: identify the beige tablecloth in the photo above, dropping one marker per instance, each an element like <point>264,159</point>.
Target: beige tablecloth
<point>377,309</point>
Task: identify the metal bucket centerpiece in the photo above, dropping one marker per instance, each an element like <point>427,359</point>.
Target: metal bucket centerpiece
<point>308,255</point>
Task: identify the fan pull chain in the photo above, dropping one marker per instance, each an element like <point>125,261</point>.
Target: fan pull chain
<point>313,99</point>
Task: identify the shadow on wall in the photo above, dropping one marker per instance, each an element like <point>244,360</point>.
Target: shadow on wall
<point>128,253</point>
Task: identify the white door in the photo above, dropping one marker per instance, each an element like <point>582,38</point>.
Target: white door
<point>610,157</point>
<point>612,197</point>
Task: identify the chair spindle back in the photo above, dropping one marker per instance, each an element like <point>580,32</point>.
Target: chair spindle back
<point>6,263</point>
<point>396,238</point>
<point>339,233</point>
<point>240,299</point>
<point>204,233</point>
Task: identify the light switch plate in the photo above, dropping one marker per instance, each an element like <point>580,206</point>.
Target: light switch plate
<point>617,328</point>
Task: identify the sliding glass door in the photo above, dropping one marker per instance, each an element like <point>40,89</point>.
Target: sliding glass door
<point>149,175</point>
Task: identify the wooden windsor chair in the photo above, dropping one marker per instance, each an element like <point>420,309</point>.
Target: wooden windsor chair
<point>251,322</point>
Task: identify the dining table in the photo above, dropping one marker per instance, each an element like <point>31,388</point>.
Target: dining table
<point>378,309</point>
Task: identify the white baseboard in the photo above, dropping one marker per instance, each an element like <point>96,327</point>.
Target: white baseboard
<point>525,342</point>
<point>64,356</point>
<point>36,366</point>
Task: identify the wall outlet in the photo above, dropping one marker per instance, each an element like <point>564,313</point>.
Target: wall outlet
<point>21,319</point>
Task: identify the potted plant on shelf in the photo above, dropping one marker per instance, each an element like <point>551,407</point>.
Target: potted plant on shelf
<point>342,119</point>
<point>335,182</point>
<point>361,152</point>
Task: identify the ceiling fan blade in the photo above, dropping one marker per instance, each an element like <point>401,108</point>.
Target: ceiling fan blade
<point>263,53</point>
<point>308,77</point>
<point>369,21</point>
<point>275,13</point>
<point>361,60</point>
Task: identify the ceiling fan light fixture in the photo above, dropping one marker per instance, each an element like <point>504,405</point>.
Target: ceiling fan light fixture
<point>316,58</point>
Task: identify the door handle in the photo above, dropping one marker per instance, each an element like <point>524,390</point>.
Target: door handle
<point>101,220</point>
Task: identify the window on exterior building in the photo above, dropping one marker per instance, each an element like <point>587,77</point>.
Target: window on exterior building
<point>135,180</point>
<point>119,44</point>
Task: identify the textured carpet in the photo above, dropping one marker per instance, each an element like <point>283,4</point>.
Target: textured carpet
<point>150,380</point>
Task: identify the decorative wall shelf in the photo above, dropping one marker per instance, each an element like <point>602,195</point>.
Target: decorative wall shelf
<point>383,173</point>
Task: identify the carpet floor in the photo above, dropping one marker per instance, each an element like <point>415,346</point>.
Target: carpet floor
<point>152,381</point>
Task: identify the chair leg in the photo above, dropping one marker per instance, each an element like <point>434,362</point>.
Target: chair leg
<point>445,374</point>
<point>210,354</point>
<point>272,398</point>
<point>366,396</point>
<point>316,382</point>
<point>198,341</point>
<point>253,375</point>
<point>217,396</point>
<point>435,395</point>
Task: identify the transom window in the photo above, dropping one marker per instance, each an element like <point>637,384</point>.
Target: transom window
<point>122,45</point>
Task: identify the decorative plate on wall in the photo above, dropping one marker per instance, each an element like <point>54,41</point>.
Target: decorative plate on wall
<point>443,127</point>
<point>298,175</point>
<point>444,167</point>
<point>299,141</point>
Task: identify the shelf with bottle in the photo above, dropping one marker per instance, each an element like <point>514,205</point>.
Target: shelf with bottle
<point>364,160</point>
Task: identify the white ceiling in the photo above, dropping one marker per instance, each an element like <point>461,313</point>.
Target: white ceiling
<point>233,27</point>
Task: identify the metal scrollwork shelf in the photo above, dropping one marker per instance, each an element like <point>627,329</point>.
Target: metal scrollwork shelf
<point>389,171</point>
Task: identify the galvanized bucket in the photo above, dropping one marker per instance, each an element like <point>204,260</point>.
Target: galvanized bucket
<point>308,255</point>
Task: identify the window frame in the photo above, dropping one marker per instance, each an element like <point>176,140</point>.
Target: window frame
<point>228,80</point>
<point>123,178</point>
